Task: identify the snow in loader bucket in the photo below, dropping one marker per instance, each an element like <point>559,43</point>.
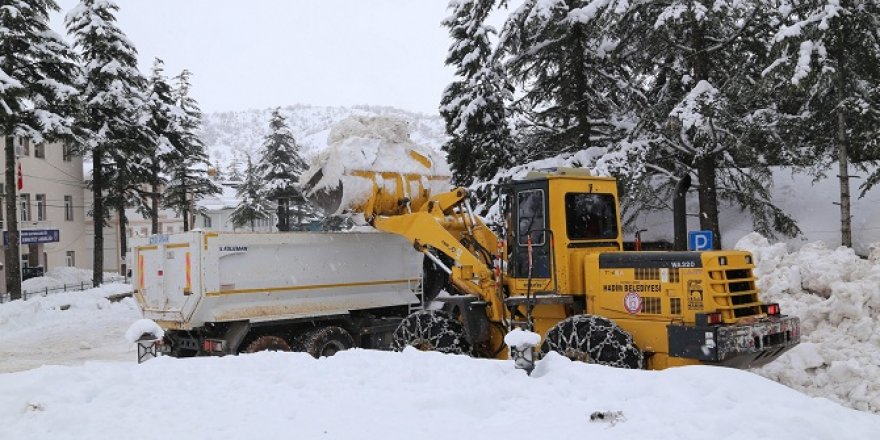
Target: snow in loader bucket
<point>744,345</point>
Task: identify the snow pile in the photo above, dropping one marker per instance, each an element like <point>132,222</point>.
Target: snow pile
<point>143,327</point>
<point>374,144</point>
<point>64,328</point>
<point>837,296</point>
<point>361,394</point>
<point>58,277</point>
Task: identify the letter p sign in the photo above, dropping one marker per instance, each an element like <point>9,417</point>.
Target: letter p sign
<point>700,240</point>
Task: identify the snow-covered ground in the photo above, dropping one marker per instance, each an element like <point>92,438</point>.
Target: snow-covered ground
<point>66,328</point>
<point>82,380</point>
<point>369,394</point>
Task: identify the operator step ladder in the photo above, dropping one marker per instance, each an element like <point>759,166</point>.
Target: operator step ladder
<point>513,304</point>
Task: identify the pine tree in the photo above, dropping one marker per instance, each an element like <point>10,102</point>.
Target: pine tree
<point>109,126</point>
<point>826,72</point>
<point>473,106</point>
<point>254,203</point>
<point>279,169</point>
<point>163,122</point>
<point>572,94</point>
<point>37,74</point>
<point>189,180</point>
<point>697,67</point>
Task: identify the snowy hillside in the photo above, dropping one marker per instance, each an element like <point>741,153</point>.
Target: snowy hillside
<point>231,135</point>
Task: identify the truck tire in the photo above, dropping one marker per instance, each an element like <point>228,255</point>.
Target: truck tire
<point>593,339</point>
<point>326,341</point>
<point>431,330</point>
<point>267,343</point>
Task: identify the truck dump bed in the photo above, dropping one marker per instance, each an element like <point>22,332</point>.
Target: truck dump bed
<point>183,281</point>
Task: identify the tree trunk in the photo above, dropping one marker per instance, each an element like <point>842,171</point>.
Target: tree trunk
<point>582,104</point>
<point>843,156</point>
<point>13,261</point>
<point>98,216</point>
<point>186,220</point>
<point>709,199</point>
<point>706,169</point>
<point>123,220</point>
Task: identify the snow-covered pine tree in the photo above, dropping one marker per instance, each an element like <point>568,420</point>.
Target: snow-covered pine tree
<point>473,106</point>
<point>37,73</point>
<point>279,169</point>
<point>254,203</point>
<point>189,180</point>
<point>570,93</point>
<point>162,121</point>
<point>698,65</point>
<point>110,123</point>
<point>826,73</point>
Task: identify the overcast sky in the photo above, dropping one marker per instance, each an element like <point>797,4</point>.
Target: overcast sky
<point>264,53</point>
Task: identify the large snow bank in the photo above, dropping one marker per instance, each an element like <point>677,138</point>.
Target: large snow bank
<point>371,144</point>
<point>64,328</point>
<point>837,296</point>
<point>363,394</point>
<point>58,277</point>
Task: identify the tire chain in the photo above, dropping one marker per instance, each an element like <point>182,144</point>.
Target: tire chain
<point>603,341</point>
<point>434,329</point>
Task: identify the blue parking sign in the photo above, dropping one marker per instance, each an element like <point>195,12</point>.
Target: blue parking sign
<point>700,240</point>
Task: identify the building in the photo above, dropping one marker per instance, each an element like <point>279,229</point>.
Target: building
<point>51,206</point>
<point>216,210</point>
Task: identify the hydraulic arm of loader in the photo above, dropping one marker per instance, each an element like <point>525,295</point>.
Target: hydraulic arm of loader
<point>447,225</point>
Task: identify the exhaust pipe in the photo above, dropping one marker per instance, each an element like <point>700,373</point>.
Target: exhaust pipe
<point>680,212</point>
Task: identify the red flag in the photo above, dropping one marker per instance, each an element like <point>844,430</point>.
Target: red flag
<point>20,178</point>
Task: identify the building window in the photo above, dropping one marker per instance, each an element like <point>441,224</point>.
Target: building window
<point>40,150</point>
<point>70,259</point>
<point>67,153</point>
<point>144,232</point>
<point>25,207</point>
<point>45,262</point>
<point>41,207</point>
<point>207,221</point>
<point>170,230</point>
<point>25,145</point>
<point>25,261</point>
<point>68,208</point>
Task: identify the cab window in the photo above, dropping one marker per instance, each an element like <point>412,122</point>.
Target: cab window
<point>590,216</point>
<point>530,215</point>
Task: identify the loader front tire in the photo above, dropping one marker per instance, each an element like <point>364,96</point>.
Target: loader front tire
<point>326,341</point>
<point>431,330</point>
<point>593,339</point>
<point>267,343</point>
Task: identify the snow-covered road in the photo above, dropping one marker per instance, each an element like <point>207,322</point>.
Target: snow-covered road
<point>66,328</point>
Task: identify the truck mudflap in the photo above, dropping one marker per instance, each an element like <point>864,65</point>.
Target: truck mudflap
<point>743,345</point>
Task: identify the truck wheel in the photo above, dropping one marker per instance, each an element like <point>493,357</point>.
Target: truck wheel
<point>593,339</point>
<point>326,341</point>
<point>431,330</point>
<point>267,343</point>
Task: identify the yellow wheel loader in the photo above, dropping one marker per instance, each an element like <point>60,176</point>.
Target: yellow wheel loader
<point>557,267</point>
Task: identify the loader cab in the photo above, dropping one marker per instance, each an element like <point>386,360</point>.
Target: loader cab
<point>555,218</point>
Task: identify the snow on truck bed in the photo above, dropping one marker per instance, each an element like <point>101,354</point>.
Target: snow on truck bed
<point>364,394</point>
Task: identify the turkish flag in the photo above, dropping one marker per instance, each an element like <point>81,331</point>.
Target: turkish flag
<point>20,178</point>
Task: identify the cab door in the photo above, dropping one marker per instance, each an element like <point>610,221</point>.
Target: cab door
<point>529,206</point>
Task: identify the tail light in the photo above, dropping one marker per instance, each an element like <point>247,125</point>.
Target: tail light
<point>704,319</point>
<point>212,345</point>
<point>772,309</point>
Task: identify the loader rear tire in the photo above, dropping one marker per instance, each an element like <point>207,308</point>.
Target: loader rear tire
<point>431,330</point>
<point>267,343</point>
<point>593,339</point>
<point>326,341</point>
